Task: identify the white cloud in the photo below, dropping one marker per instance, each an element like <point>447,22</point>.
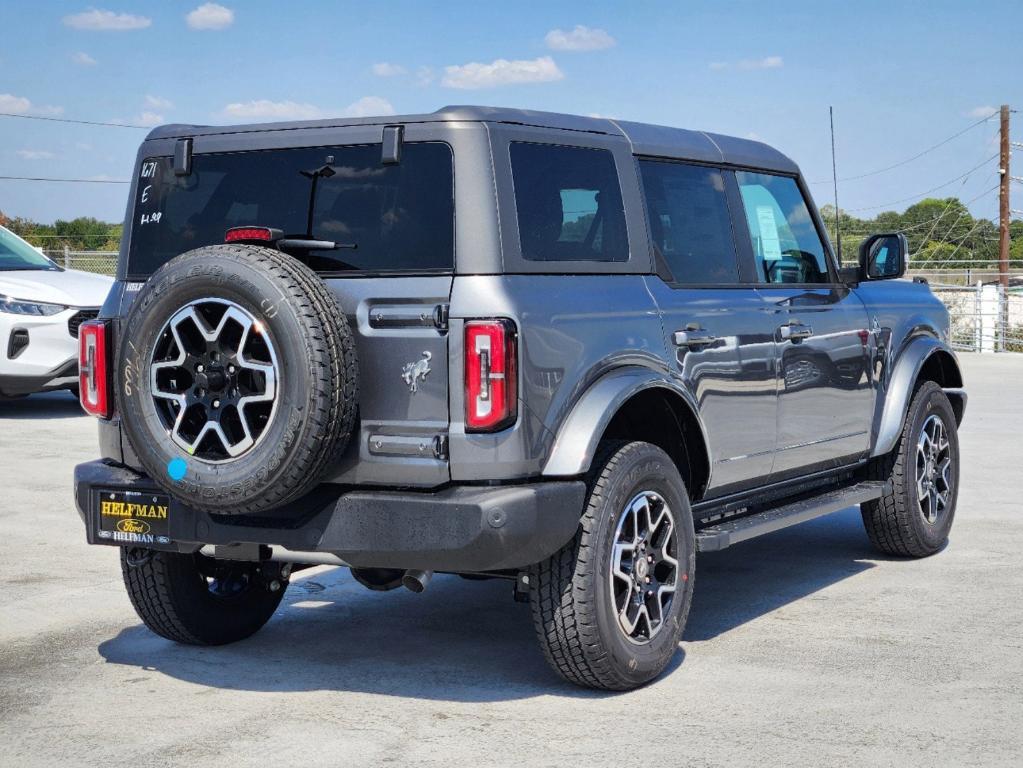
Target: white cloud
<point>386,69</point>
<point>148,119</point>
<point>768,62</point>
<point>580,38</point>
<point>156,102</point>
<point>265,109</point>
<point>501,72</point>
<point>984,111</point>
<point>35,154</point>
<point>83,59</point>
<point>19,105</point>
<point>368,106</point>
<point>210,16</point>
<point>95,19</point>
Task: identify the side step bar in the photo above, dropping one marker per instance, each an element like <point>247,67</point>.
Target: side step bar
<point>724,534</point>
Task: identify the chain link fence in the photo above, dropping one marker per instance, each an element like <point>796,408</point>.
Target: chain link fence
<point>100,262</point>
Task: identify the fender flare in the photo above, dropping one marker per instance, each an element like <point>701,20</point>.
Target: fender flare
<point>907,368</point>
<point>580,432</point>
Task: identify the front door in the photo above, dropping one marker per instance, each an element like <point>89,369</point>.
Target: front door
<point>718,330</point>
<point>825,391</point>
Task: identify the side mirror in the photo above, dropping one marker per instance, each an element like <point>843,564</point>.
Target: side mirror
<point>884,256</point>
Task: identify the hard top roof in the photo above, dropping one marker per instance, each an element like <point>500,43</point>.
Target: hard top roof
<point>646,139</point>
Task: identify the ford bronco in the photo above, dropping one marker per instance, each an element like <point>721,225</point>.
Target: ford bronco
<point>564,351</point>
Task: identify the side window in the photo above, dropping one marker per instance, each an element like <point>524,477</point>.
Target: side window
<point>689,222</point>
<point>569,204</point>
<point>785,241</point>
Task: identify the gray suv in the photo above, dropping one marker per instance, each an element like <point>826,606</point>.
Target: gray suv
<point>564,351</point>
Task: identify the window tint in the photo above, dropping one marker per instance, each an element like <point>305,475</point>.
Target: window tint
<point>689,222</point>
<point>569,204</point>
<point>785,241</point>
<point>400,217</point>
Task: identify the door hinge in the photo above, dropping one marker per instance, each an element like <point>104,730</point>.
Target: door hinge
<point>440,316</point>
<point>440,447</point>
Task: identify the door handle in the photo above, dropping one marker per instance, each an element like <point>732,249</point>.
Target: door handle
<point>694,337</point>
<point>795,331</point>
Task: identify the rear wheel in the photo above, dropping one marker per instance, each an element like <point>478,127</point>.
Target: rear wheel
<point>197,600</point>
<point>610,607</point>
<point>914,518</point>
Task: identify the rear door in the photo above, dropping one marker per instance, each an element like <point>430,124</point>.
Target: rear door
<point>394,216</point>
<point>825,391</point>
<point>717,327</point>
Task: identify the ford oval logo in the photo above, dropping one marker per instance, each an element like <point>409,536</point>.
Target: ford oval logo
<point>130,525</point>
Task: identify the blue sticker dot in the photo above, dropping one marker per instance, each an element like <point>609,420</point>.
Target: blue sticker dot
<point>177,468</point>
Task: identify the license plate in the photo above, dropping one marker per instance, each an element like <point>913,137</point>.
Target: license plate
<point>131,517</point>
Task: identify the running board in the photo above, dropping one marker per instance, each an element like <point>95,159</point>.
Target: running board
<point>724,534</point>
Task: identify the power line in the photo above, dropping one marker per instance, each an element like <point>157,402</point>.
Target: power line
<point>922,194</point>
<point>962,240</point>
<point>76,122</point>
<point>70,181</point>
<point>966,209</point>
<point>914,157</point>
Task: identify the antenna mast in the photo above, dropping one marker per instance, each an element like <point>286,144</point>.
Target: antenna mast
<point>834,176</point>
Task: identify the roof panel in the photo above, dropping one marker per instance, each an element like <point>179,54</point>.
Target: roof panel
<point>646,139</point>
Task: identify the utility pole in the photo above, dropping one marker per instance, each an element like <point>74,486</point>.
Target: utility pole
<point>1003,222</point>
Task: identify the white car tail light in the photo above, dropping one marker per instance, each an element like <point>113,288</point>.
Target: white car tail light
<point>491,374</point>
<point>93,380</point>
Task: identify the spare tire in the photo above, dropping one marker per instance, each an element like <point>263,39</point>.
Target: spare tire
<point>238,379</point>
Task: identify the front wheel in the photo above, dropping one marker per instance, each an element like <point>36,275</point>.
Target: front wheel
<point>914,518</point>
<point>609,608</point>
<point>197,600</point>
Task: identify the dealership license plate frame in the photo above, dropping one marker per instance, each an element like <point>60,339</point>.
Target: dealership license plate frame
<point>132,518</point>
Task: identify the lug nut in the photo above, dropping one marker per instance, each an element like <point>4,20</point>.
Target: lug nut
<point>649,558</point>
<point>216,403</point>
<point>200,368</point>
<point>230,369</point>
<point>646,579</point>
<point>275,586</point>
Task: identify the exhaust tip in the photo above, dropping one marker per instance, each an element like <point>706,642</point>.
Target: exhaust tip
<point>416,581</point>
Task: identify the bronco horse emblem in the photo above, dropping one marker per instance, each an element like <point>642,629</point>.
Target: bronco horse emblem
<point>411,373</point>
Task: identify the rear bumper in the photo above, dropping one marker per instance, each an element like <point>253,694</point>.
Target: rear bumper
<point>459,528</point>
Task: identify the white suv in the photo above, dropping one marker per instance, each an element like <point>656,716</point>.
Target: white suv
<point>41,307</point>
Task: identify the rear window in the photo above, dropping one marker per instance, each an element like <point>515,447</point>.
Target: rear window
<point>569,204</point>
<point>399,217</point>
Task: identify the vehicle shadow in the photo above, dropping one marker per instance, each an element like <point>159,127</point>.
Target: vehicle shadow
<point>46,405</point>
<point>468,641</point>
<point>756,577</point>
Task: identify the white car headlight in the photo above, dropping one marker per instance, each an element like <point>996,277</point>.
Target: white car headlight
<point>21,307</point>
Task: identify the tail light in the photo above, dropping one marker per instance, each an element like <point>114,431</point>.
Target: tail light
<point>93,368</point>
<point>252,235</point>
<point>491,374</point>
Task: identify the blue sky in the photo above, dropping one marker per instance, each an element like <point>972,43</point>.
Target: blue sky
<point>901,76</point>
